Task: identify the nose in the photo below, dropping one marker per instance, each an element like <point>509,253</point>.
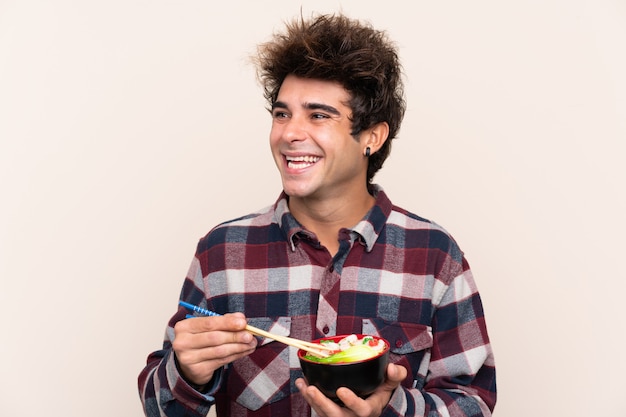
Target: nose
<point>293,129</point>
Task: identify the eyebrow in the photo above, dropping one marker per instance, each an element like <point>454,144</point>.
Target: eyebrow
<point>309,106</point>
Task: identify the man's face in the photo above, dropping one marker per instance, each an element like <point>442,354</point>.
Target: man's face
<point>311,142</point>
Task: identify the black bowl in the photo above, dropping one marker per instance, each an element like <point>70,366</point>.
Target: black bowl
<point>362,377</point>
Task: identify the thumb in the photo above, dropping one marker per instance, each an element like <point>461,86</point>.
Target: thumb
<point>395,374</point>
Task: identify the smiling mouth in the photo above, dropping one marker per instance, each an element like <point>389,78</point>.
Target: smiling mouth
<point>299,162</point>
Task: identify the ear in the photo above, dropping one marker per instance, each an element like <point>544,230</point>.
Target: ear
<point>375,137</point>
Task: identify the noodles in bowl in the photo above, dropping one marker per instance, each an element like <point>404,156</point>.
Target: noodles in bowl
<point>359,363</point>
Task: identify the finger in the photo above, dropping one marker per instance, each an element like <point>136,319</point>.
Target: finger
<point>229,322</point>
<point>214,357</point>
<point>212,331</point>
<point>395,374</point>
<point>199,364</point>
<point>301,384</point>
<point>219,338</point>
<point>200,370</point>
<point>352,401</point>
<point>212,344</point>
<point>211,350</point>
<point>322,405</point>
<point>307,391</point>
<point>374,404</point>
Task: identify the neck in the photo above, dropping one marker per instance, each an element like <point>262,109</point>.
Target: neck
<point>325,217</point>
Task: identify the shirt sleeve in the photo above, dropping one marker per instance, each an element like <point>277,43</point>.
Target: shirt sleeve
<point>164,393</point>
<point>162,389</point>
<point>460,381</point>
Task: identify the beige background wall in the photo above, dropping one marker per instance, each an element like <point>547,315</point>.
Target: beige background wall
<point>129,128</point>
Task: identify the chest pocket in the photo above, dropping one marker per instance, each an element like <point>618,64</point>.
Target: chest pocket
<point>262,377</point>
<point>410,346</point>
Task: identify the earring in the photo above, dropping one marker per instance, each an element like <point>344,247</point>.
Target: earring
<point>367,151</point>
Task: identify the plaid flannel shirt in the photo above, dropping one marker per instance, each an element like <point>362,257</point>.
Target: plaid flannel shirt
<point>396,275</point>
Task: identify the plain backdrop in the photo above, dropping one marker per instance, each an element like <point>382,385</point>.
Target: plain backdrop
<point>129,128</point>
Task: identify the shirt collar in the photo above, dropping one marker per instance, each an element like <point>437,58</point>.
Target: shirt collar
<point>371,226</point>
<point>368,229</point>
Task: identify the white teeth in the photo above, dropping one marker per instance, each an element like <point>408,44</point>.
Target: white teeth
<point>307,158</point>
<point>301,161</point>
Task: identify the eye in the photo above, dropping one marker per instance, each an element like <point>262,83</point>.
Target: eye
<point>319,116</point>
<point>280,114</point>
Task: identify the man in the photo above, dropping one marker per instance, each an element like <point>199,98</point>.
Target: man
<point>333,255</point>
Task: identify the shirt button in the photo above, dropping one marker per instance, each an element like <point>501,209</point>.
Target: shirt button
<point>325,330</point>
<point>399,343</point>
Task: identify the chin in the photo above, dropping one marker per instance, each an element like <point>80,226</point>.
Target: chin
<point>297,190</point>
<point>295,193</point>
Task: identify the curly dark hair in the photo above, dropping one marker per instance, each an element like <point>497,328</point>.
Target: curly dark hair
<point>336,48</point>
